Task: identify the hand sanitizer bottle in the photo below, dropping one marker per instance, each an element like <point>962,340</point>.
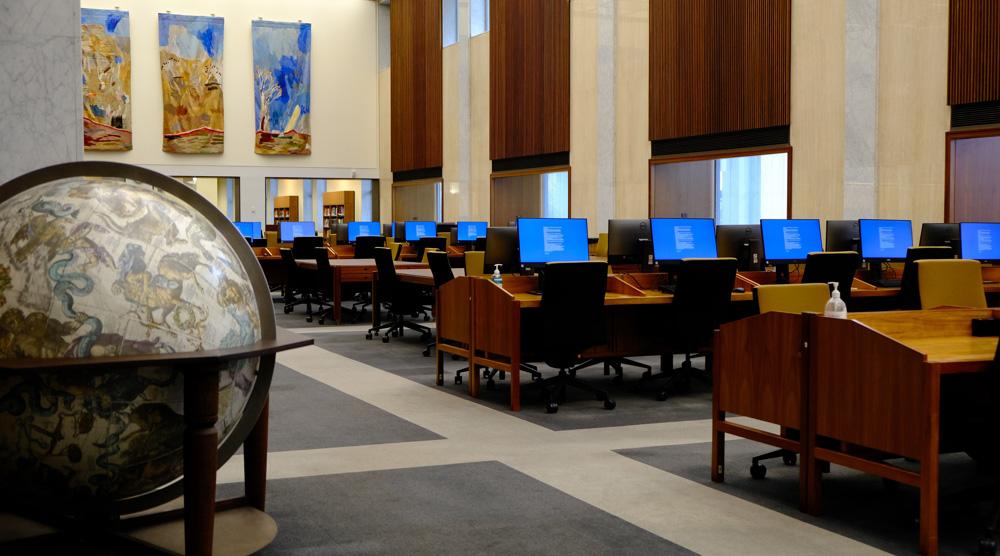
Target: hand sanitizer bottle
<point>497,279</point>
<point>835,307</point>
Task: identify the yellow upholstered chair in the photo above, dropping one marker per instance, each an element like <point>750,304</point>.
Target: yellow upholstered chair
<point>951,283</point>
<point>272,239</point>
<point>331,239</point>
<point>427,250</point>
<point>474,261</point>
<point>601,249</point>
<point>792,298</point>
<point>447,238</point>
<point>395,248</point>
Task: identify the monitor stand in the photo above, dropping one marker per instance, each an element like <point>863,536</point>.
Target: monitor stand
<point>783,275</point>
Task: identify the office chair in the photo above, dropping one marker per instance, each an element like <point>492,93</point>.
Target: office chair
<point>321,286</point>
<point>428,251</point>
<point>364,246</point>
<point>837,266</point>
<point>572,315</point>
<point>401,299</point>
<point>601,249</point>
<point>296,287</point>
<point>442,273</point>
<point>951,283</point>
<point>701,303</point>
<point>424,243</point>
<point>909,288</point>
<point>480,244</point>
<point>786,298</point>
<point>303,247</point>
<point>474,263</point>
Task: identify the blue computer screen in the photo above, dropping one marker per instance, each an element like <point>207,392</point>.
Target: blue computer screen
<point>470,231</point>
<point>789,241</point>
<point>416,229</point>
<point>885,239</point>
<point>682,238</point>
<point>249,229</point>
<point>291,230</point>
<point>549,240</point>
<point>980,241</point>
<point>355,229</point>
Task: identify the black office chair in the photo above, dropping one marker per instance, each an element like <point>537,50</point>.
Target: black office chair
<point>296,286</point>
<point>909,285</point>
<point>364,246</point>
<point>303,247</point>
<point>839,266</point>
<point>321,287</point>
<point>400,299</point>
<point>701,303</point>
<point>572,315</point>
<point>480,244</point>
<point>425,243</point>
<point>442,273</point>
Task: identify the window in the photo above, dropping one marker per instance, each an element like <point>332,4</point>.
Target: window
<point>530,194</point>
<point>479,17</point>
<point>316,199</point>
<point>366,201</point>
<point>449,22</point>
<point>224,193</point>
<point>733,190</point>
<point>417,201</point>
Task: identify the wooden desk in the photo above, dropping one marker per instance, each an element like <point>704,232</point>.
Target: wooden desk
<point>875,388</point>
<point>496,325</point>
<point>423,276</point>
<point>351,271</point>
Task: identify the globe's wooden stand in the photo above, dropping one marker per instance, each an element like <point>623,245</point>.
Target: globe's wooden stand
<point>201,449</point>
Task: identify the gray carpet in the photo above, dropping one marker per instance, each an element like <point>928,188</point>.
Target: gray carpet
<point>454,509</point>
<point>886,519</point>
<point>306,414</point>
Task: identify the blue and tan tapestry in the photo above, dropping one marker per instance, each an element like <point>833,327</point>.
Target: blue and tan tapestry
<point>107,80</point>
<point>281,57</point>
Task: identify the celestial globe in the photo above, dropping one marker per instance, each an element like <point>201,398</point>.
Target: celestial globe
<point>108,260</point>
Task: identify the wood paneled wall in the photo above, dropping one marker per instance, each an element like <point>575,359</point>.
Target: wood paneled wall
<point>973,51</point>
<point>416,98</point>
<point>529,77</point>
<point>718,66</point>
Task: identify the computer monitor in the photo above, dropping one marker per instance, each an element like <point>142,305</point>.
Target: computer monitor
<point>251,230</point>
<point>789,241</point>
<point>626,240</point>
<point>843,235</point>
<point>980,241</point>
<point>683,238</point>
<point>941,235</point>
<point>885,240</point>
<point>501,248</point>
<point>355,229</point>
<point>470,231</point>
<point>550,240</point>
<point>291,230</point>
<point>416,229</point>
<point>742,242</point>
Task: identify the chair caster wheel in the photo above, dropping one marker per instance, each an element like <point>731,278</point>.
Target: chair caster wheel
<point>609,404</point>
<point>288,310</point>
<point>368,336</point>
<point>458,379</point>
<point>551,407</point>
<point>385,339</point>
<point>987,546</point>
<point>790,459</point>
<point>394,335</point>
<point>758,471</point>
<point>661,396</point>
<point>309,319</point>
<point>427,352</point>
<point>427,318</point>
<point>322,321</point>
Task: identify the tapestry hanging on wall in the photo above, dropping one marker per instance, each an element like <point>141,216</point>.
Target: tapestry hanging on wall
<point>191,76</point>
<point>107,80</point>
<point>281,57</point>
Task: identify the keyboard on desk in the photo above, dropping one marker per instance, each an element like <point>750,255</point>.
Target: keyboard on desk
<point>887,283</point>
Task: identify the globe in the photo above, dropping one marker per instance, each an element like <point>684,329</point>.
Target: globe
<point>104,267</point>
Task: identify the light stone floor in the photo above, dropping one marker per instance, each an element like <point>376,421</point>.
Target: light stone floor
<point>581,463</point>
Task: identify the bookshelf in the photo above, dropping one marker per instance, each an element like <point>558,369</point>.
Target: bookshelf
<point>286,208</point>
<point>338,208</point>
